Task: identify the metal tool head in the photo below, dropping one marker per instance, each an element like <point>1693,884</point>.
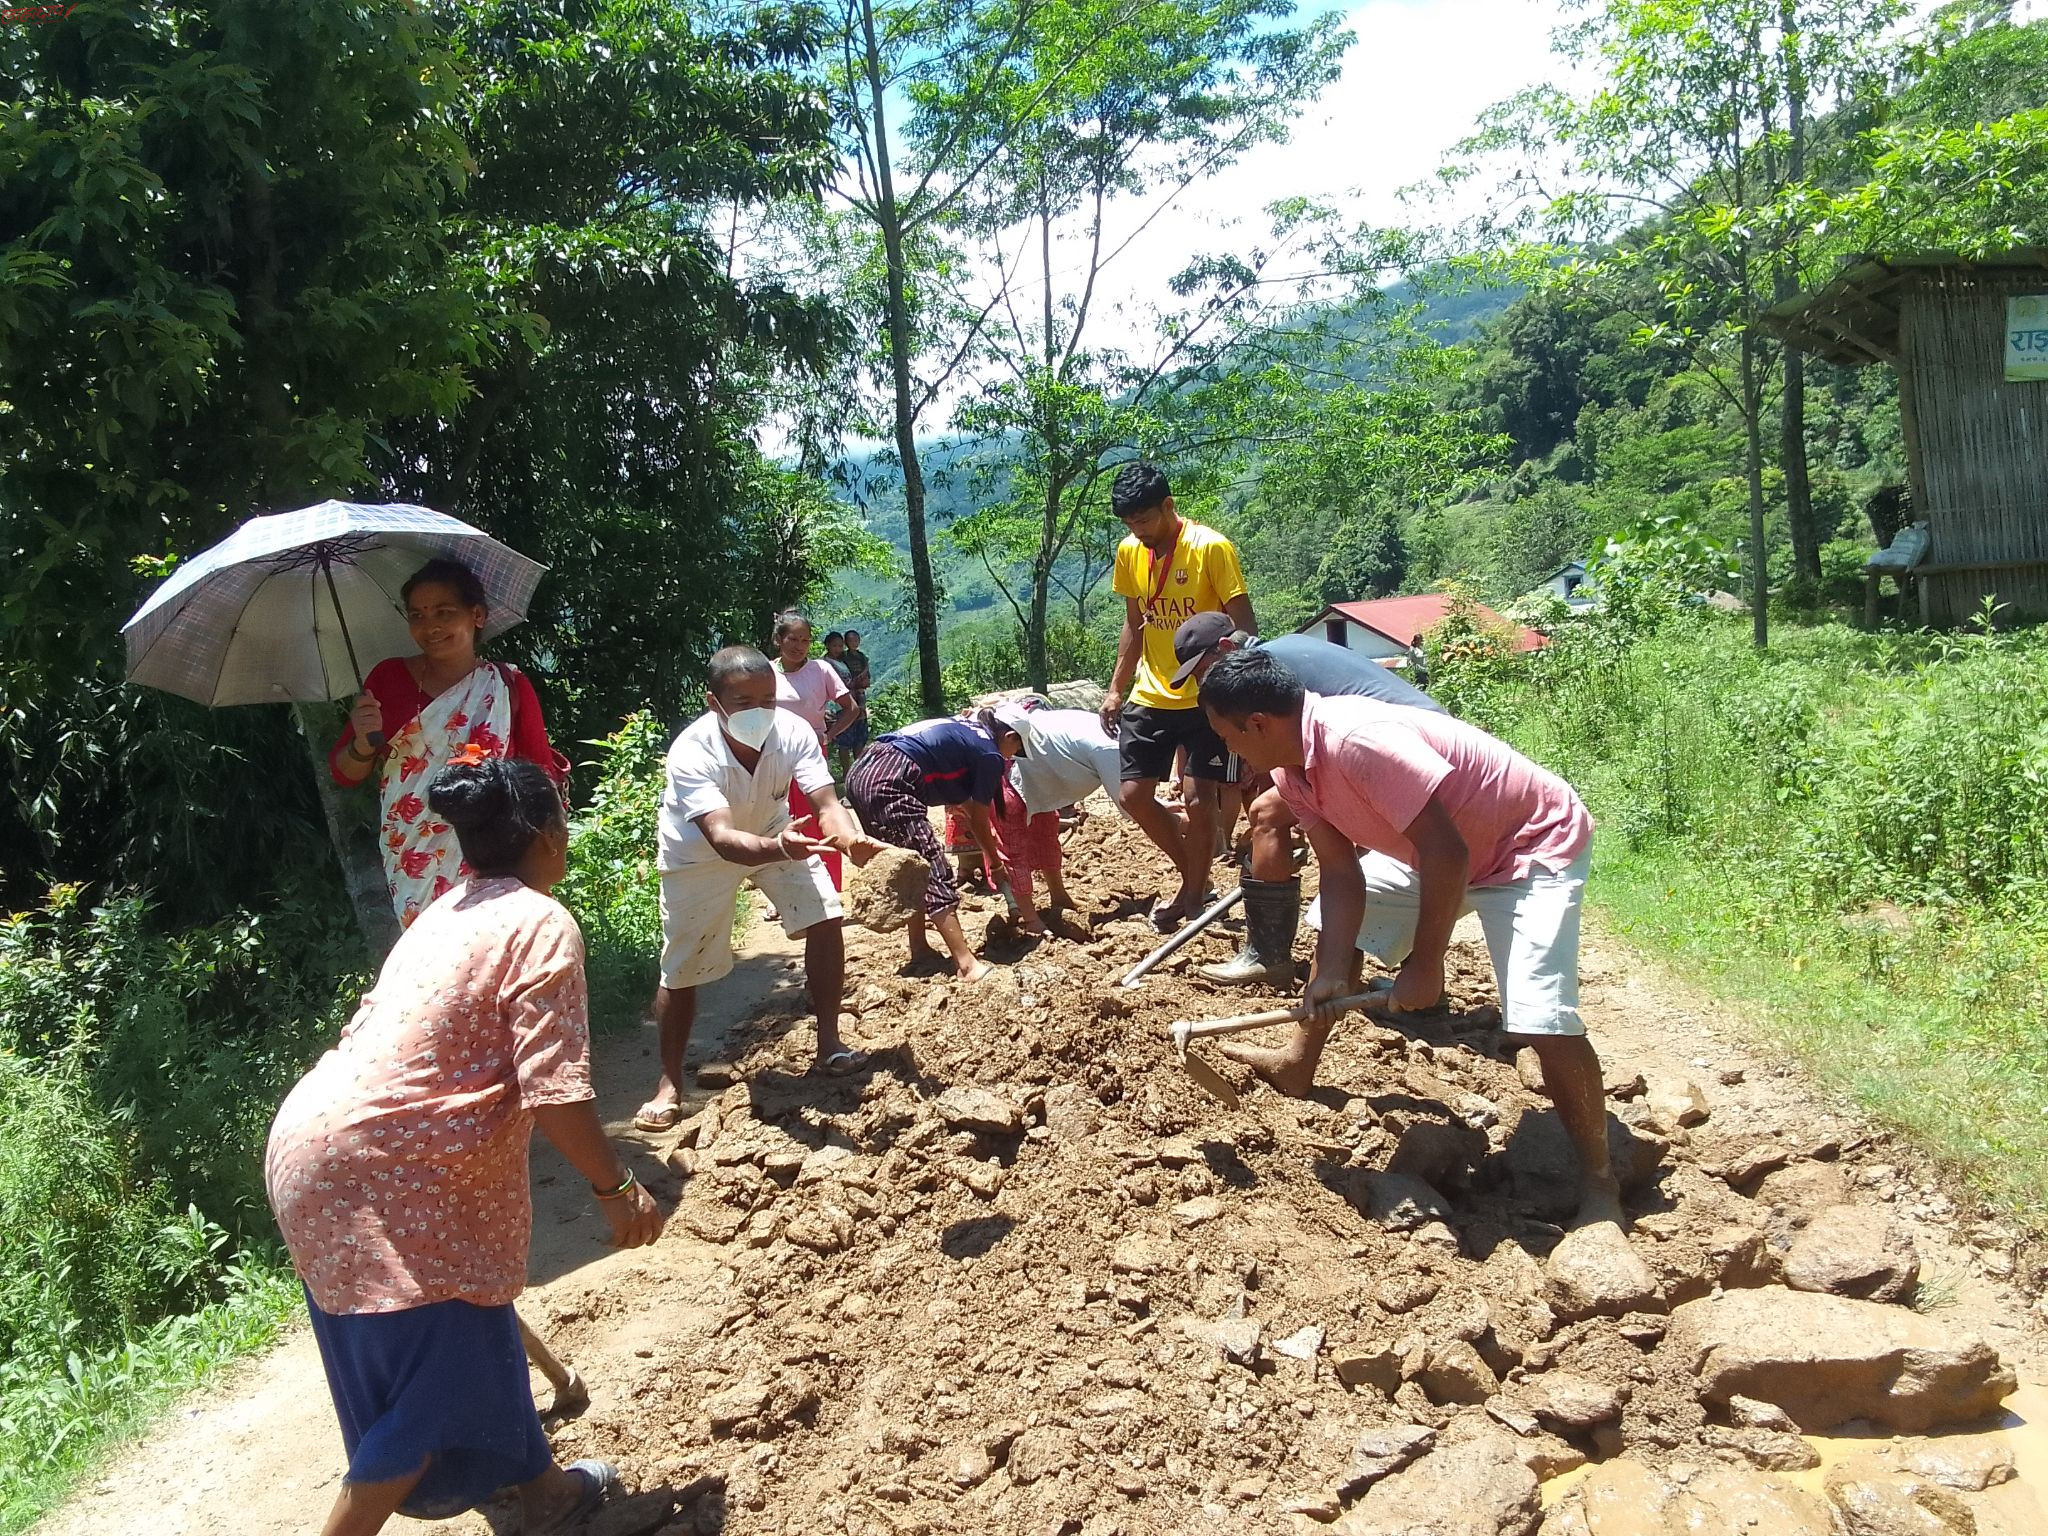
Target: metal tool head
<point>1210,1081</point>
<point>1182,1031</point>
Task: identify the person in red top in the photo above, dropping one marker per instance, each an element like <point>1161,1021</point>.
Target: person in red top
<point>419,713</point>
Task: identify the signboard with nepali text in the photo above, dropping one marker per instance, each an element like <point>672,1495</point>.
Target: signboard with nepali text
<point>2026,337</point>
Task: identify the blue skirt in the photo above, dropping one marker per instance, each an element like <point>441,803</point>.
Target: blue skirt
<point>445,1384</point>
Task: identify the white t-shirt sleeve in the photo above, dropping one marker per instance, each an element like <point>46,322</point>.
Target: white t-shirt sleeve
<point>811,772</point>
<point>694,782</point>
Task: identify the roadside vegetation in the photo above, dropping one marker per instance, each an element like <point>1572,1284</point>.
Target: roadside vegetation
<point>1848,832</point>
<point>407,290</point>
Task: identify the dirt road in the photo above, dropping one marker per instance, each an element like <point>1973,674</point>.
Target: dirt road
<point>1025,1277</point>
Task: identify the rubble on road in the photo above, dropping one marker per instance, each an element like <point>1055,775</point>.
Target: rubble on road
<point>1021,1275</point>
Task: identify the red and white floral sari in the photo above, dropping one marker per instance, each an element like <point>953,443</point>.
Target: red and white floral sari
<point>421,858</point>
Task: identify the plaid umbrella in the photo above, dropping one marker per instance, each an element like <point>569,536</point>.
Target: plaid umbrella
<point>289,607</point>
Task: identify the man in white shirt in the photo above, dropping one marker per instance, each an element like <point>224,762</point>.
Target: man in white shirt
<point>1066,755</point>
<point>724,821</point>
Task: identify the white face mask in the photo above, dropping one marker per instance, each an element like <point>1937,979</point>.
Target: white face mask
<point>750,727</point>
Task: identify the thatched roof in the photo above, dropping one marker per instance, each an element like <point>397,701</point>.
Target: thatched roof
<point>1853,321</point>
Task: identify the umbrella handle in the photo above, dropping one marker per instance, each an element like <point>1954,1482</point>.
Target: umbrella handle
<point>377,738</point>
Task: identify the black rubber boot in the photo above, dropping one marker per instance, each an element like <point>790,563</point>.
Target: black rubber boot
<point>1272,912</point>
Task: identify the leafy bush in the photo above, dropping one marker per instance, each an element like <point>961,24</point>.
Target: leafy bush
<point>612,886</point>
<point>1873,805</point>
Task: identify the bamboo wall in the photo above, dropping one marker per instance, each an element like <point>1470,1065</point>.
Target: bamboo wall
<point>1979,445</point>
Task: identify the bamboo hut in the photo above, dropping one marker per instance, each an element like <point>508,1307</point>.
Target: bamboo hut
<point>1969,341</point>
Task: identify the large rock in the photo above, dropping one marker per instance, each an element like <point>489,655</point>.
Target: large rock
<point>1854,1250</point>
<point>1828,1359</point>
<point>1569,1402</point>
<point>1595,1273</point>
<point>1380,1452</point>
<point>1874,1498</point>
<point>979,1111</point>
<point>1626,1498</point>
<point>1478,1487</point>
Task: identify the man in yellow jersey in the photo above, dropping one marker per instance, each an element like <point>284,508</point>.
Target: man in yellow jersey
<point>1167,571</point>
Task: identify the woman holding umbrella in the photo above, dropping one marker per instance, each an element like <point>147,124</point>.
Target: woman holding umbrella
<point>432,706</point>
<point>398,1171</point>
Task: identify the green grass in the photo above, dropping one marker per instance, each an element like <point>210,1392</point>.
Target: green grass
<point>1899,1047</point>
<point>58,1425</point>
<point>1846,835</point>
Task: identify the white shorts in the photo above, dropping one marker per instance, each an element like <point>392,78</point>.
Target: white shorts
<point>1532,933</point>
<point>697,912</point>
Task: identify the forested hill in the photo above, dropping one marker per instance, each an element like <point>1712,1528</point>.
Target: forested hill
<point>966,473</point>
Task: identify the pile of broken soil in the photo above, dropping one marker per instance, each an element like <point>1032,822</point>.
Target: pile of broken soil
<point>1023,1276</point>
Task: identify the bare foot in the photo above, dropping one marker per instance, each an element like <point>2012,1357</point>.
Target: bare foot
<point>1600,1201</point>
<point>1284,1070</point>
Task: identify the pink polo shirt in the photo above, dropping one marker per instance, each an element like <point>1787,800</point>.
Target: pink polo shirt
<point>1371,767</point>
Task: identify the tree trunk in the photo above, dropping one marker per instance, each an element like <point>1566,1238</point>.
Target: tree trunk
<point>1037,661</point>
<point>931,685</point>
<point>1792,425</point>
<point>1792,460</point>
<point>350,833</point>
<point>1753,441</point>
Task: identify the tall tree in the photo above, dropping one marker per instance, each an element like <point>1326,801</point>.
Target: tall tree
<point>1688,148</point>
<point>921,91</point>
<point>624,358</point>
<point>1109,144</point>
<point>221,268</point>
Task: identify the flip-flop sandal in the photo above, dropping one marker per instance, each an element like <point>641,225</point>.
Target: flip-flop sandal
<point>666,1118</point>
<point>841,1064</point>
<point>600,1482</point>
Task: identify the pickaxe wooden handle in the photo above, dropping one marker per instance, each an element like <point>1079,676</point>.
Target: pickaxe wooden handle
<point>1185,1030</point>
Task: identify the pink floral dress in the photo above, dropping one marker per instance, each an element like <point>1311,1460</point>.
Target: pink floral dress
<point>397,1166</point>
<point>421,859</point>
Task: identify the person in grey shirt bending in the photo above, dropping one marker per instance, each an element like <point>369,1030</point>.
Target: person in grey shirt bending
<point>1272,889</point>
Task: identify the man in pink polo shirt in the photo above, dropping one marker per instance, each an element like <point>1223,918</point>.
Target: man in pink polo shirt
<point>1452,820</point>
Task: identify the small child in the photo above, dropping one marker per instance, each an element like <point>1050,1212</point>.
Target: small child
<point>1030,845</point>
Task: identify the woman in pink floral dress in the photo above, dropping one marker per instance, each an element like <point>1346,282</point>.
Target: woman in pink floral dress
<point>398,1171</point>
<point>431,705</point>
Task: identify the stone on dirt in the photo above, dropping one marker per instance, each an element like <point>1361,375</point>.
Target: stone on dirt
<point>1198,1211</point>
<point>1380,1452</point>
<point>1396,1201</point>
<point>1594,1272</point>
<point>1854,1250</point>
<point>978,1111</point>
<point>1567,1401</point>
<point>1478,1487</point>
<point>1043,1452</point>
<point>1456,1374</point>
<point>1072,1113</point>
<point>1377,1366</point>
<point>1828,1359</point>
<point>825,1230</point>
<point>1625,1498</point>
<point>1873,1497</point>
<point>717,1074</point>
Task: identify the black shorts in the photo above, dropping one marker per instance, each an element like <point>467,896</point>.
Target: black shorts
<point>1146,740</point>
